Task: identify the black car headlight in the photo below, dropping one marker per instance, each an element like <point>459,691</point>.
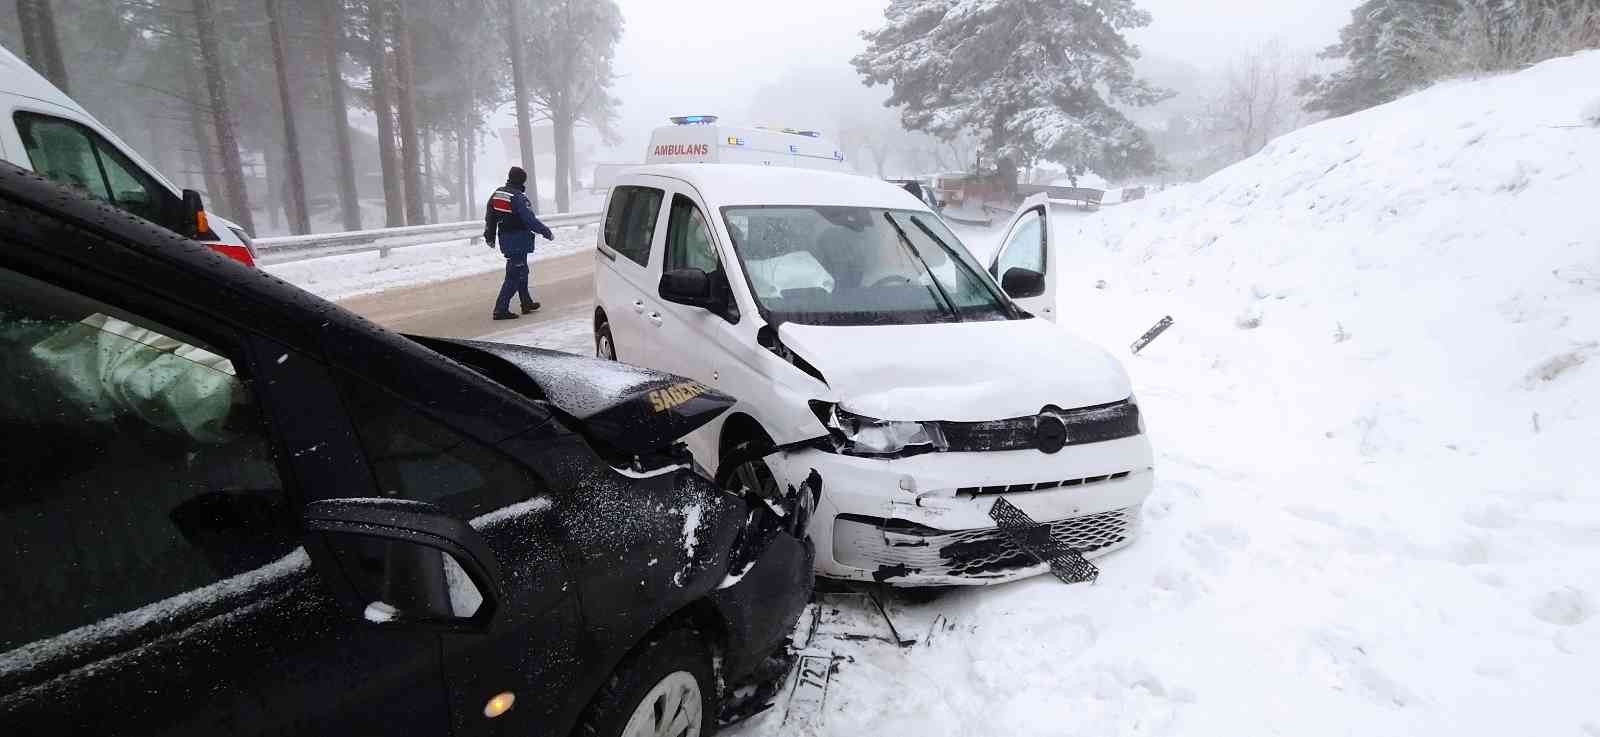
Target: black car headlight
<point>855,434</point>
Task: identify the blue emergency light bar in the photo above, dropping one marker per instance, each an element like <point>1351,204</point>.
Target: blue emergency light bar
<point>693,119</point>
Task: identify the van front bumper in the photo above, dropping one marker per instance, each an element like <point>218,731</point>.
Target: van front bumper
<point>924,520</point>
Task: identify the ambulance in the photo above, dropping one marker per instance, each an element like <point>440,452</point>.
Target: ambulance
<point>698,139</point>
<point>49,133</point>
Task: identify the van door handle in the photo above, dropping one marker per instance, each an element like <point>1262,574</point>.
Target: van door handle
<point>654,317</point>
<point>638,306</point>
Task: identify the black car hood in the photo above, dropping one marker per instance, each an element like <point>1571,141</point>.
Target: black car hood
<point>632,409</point>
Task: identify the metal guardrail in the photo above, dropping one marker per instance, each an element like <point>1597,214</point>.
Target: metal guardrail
<point>322,245</point>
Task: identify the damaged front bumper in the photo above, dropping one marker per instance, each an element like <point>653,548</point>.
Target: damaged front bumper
<point>924,520</point>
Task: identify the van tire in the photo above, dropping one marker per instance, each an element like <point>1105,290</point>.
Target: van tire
<point>661,658</point>
<point>605,346</point>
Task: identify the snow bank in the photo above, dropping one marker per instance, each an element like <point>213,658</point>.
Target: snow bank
<point>1377,419</point>
<point>340,277</point>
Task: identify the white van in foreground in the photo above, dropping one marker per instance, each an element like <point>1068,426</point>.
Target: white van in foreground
<point>699,139</point>
<point>44,130</point>
<point>886,367</point>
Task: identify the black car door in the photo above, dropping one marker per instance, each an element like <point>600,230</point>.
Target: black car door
<point>511,492</point>
<point>150,540</point>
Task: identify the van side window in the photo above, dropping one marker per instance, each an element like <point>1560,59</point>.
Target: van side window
<point>72,154</point>
<point>131,188</point>
<point>631,221</point>
<point>689,243</point>
<point>136,468</point>
<point>62,152</point>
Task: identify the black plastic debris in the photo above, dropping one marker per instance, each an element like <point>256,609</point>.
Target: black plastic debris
<point>1066,563</point>
<point>1154,332</point>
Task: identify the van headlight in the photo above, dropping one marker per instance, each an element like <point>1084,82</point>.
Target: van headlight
<point>855,434</point>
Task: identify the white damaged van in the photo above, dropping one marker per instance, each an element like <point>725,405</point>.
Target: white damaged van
<point>876,363</point>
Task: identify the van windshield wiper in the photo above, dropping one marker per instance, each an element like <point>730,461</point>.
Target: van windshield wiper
<point>937,290</point>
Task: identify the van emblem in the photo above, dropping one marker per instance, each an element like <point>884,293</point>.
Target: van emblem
<point>1050,432</point>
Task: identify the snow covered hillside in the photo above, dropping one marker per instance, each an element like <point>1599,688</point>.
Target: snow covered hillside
<point>1378,430</point>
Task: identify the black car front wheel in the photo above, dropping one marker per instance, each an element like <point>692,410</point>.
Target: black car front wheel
<point>663,689</point>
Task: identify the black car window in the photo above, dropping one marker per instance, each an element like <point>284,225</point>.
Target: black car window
<point>415,457</point>
<point>135,466</point>
<point>689,243</point>
<point>72,154</point>
<point>631,221</point>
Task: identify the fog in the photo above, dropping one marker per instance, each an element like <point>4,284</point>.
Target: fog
<point>713,56</point>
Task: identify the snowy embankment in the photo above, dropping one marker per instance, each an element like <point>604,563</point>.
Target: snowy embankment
<point>339,277</point>
<point>1377,421</point>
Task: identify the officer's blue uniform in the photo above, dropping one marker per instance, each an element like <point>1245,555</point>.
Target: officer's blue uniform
<point>511,217</point>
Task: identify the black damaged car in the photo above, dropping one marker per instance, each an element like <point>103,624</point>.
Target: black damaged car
<point>229,507</point>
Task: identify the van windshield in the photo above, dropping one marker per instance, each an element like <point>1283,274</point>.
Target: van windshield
<point>828,265</point>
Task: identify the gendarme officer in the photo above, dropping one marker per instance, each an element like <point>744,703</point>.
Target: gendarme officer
<point>510,214</point>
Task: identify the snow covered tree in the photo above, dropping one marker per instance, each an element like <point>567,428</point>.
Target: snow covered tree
<point>1033,79</point>
<point>1257,102</point>
<point>1381,47</point>
<point>1392,47</point>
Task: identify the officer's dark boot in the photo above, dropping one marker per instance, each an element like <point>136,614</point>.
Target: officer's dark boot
<point>506,316</point>
<point>527,308</point>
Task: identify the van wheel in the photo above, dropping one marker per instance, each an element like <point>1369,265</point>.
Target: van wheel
<point>604,345</point>
<point>663,689</point>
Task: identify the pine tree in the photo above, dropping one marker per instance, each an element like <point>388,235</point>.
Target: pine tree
<point>299,216</point>
<point>349,202</point>
<point>41,46</point>
<point>383,108</point>
<point>519,88</point>
<point>1031,78</point>
<point>406,107</point>
<point>1382,46</point>
<point>221,107</point>
<point>571,59</point>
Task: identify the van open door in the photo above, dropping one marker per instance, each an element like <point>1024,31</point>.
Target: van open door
<point>1023,265</point>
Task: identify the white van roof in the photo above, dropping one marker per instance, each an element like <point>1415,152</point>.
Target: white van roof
<point>744,184</point>
<point>17,78</point>
<point>21,80</point>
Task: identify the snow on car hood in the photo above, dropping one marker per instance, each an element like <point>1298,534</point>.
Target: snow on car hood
<point>964,372</point>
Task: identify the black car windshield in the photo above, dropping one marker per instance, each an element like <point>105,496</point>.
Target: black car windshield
<point>831,265</point>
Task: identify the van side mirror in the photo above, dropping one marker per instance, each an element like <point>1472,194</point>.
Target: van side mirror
<point>395,561</point>
<point>1020,283</point>
<point>687,287</point>
<point>194,214</point>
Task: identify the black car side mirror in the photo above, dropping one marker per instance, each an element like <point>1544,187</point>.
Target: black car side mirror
<point>1020,283</point>
<point>403,562</point>
<point>688,287</point>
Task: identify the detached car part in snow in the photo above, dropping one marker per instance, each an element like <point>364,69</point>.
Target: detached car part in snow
<point>1150,335</point>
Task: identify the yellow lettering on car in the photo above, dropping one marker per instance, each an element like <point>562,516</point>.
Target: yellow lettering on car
<point>662,400</point>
